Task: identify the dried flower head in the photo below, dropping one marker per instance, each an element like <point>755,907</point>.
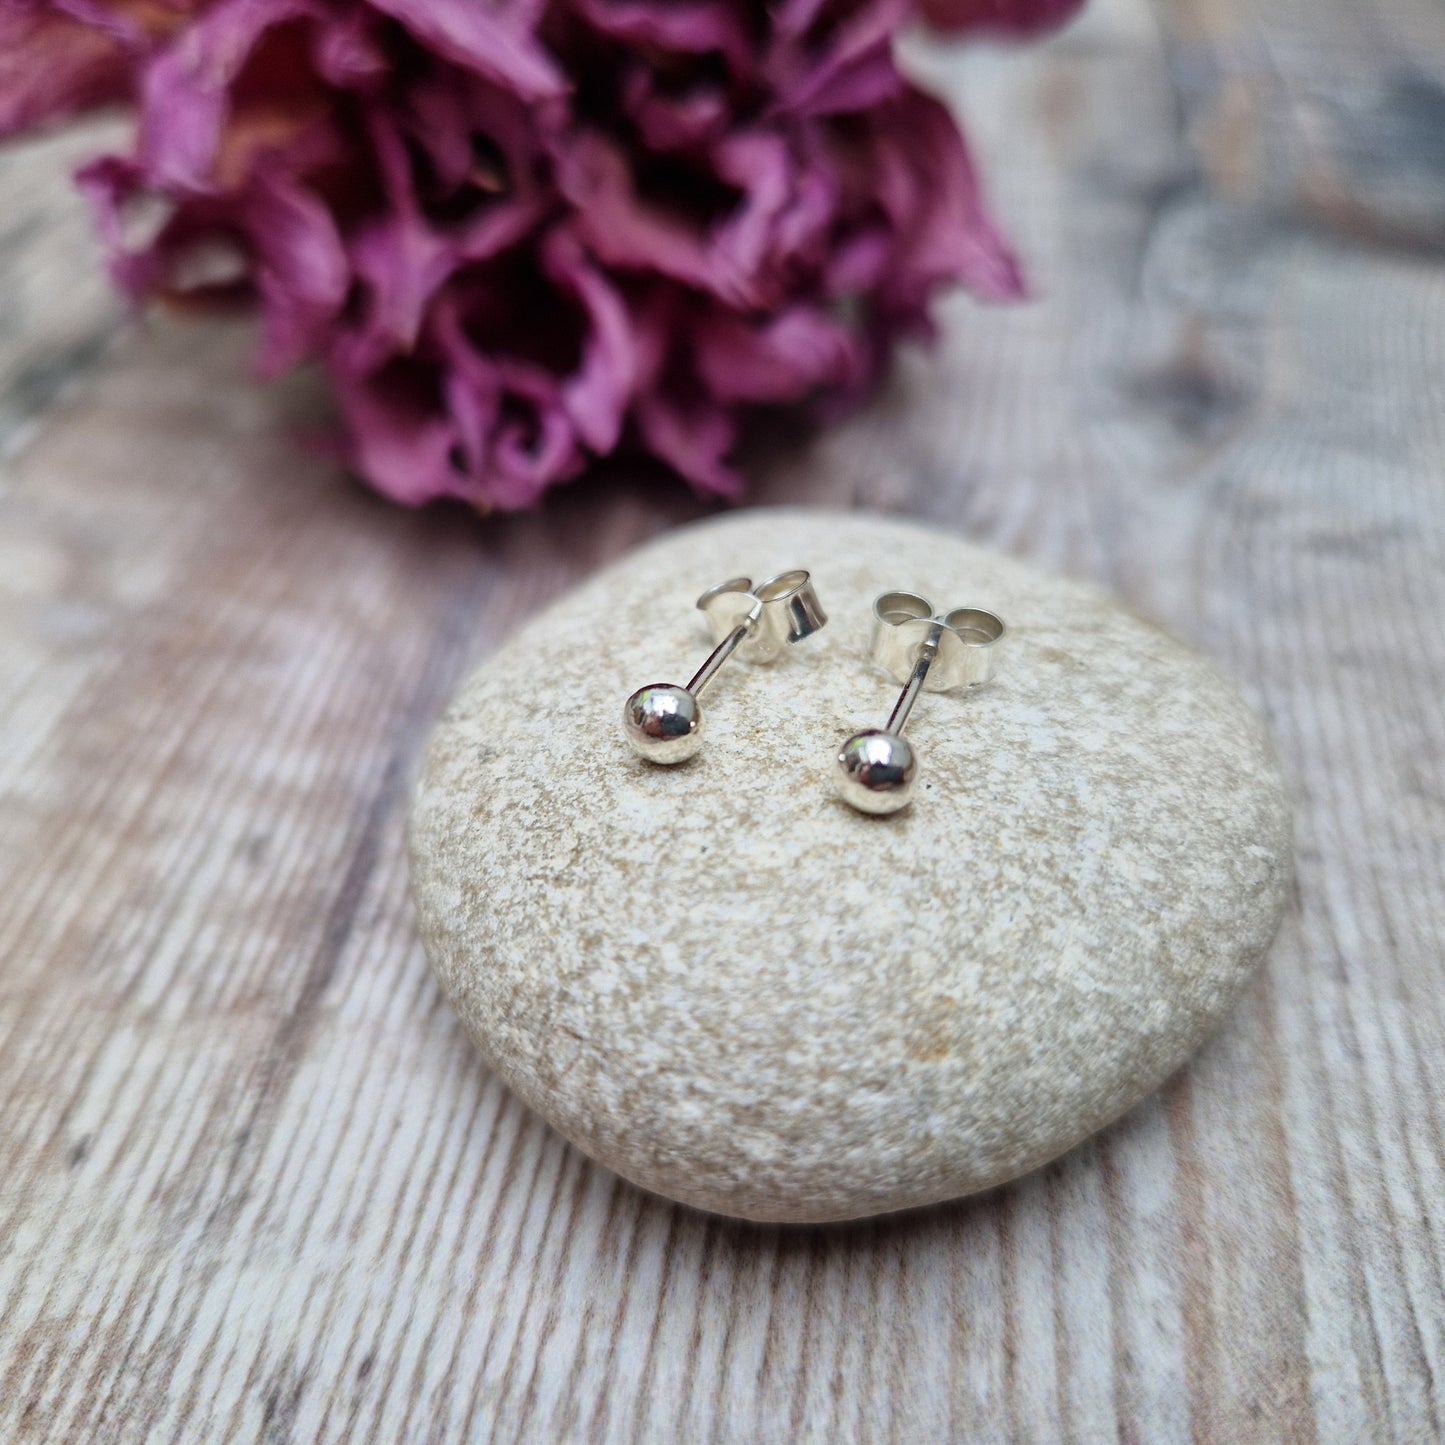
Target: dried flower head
<point>522,234</point>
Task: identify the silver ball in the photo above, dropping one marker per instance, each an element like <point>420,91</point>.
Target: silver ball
<point>663,723</point>
<point>876,772</point>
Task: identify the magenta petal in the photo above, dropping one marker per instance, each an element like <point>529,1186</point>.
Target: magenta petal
<point>861,262</point>
<point>691,27</point>
<point>854,68</point>
<point>596,397</point>
<point>659,315</point>
<point>403,263</point>
<point>399,443</point>
<point>761,165</point>
<point>1005,17</point>
<point>441,124</point>
<point>804,228</point>
<point>534,444</point>
<point>674,122</point>
<point>625,232</point>
<point>302,271</point>
<point>473,393</point>
<point>675,420</point>
<point>501,228</point>
<point>529,457</point>
<point>109,183</point>
<point>837,89</point>
<point>695,442</point>
<point>349,54</point>
<point>51,67</point>
<point>616,225</point>
<point>794,17</point>
<point>785,358</point>
<point>933,195</point>
<point>511,422</point>
<point>473,34</point>
<point>118,22</point>
<point>186,99</point>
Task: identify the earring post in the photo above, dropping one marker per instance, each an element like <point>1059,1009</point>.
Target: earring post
<point>926,654</point>
<point>718,656</point>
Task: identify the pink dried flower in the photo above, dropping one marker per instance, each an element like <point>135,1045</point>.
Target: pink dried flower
<point>1005,17</point>
<point>523,234</point>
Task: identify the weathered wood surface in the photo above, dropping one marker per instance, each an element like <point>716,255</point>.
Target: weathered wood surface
<point>254,1182</point>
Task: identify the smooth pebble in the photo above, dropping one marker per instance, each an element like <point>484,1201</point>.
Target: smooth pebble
<point>729,987</point>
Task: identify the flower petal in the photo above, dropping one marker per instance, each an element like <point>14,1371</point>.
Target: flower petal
<point>403,450</point>
<point>475,34</point>
<point>928,187</point>
<point>1008,17</point>
<point>52,67</point>
<point>852,70</point>
<point>690,27</point>
<point>186,91</point>
<point>402,262</point>
<point>694,441</point>
<point>301,269</point>
<point>784,358</point>
<point>597,395</point>
<point>618,227</point>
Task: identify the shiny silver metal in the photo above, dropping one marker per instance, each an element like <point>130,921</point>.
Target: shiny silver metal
<point>965,638</point>
<point>663,722</point>
<point>878,768</point>
<point>782,610</point>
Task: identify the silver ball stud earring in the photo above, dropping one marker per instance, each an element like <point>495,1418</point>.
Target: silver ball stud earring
<point>664,722</point>
<point>878,768</point>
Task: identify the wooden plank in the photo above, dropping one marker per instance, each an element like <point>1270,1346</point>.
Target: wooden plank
<point>253,1181</point>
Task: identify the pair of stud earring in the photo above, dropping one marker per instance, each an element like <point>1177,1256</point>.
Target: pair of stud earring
<point>877,769</point>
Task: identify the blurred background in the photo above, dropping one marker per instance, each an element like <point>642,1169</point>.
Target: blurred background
<point>253,1179</point>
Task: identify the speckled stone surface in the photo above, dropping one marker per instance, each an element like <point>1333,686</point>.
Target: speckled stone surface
<point>730,988</point>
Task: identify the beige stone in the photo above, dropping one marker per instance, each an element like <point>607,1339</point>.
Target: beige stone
<point>722,983</point>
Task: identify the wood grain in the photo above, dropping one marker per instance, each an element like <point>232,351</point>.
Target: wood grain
<point>254,1184</point>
